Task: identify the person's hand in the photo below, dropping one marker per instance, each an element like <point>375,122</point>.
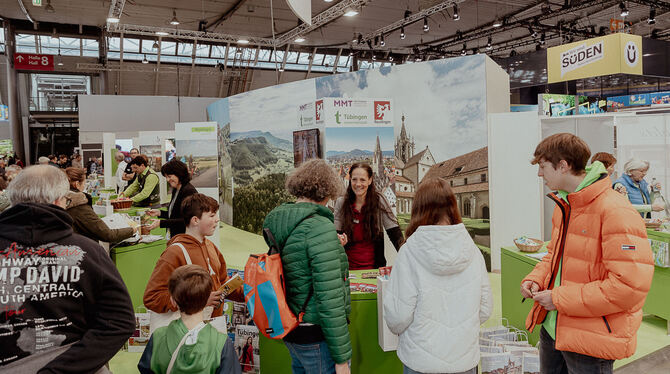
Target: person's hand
<point>657,186</point>
<point>621,189</point>
<point>343,239</point>
<point>342,368</point>
<point>657,206</point>
<point>529,288</point>
<point>215,299</point>
<point>544,299</point>
<point>153,212</point>
<point>127,177</point>
<point>154,224</point>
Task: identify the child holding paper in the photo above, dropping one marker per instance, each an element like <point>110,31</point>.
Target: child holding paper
<point>201,217</point>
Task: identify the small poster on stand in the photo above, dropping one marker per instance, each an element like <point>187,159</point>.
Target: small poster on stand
<point>246,347</point>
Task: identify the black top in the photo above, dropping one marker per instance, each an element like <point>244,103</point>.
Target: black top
<point>71,291</point>
<point>129,170</point>
<point>175,221</point>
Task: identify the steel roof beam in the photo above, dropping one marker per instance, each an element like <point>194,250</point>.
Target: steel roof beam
<point>189,34</point>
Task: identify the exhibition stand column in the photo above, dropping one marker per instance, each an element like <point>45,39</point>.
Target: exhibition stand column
<point>15,129</point>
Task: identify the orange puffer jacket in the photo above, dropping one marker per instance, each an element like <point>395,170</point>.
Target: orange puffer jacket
<point>606,273</point>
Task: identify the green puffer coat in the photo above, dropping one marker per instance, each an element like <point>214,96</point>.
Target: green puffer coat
<point>314,257</point>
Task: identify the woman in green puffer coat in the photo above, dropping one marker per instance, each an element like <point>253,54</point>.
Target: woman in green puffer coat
<point>316,270</point>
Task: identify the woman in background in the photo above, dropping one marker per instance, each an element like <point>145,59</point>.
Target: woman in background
<point>361,216</point>
<point>439,293</point>
<point>179,179</point>
<point>638,191</point>
<point>85,221</point>
<point>607,159</point>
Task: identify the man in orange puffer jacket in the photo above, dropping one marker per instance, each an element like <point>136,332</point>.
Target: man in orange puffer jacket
<point>590,287</point>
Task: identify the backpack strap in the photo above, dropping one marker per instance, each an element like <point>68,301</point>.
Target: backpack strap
<point>304,306</point>
<point>183,250</point>
<point>181,343</point>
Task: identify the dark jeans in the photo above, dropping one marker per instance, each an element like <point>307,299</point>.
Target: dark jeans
<point>311,358</point>
<point>553,361</point>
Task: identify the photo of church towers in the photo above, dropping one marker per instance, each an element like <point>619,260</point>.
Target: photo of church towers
<point>467,175</point>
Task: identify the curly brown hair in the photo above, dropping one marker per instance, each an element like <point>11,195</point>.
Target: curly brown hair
<point>314,180</point>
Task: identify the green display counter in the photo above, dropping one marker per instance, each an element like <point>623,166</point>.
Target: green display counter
<point>657,302</point>
<point>367,356</point>
<point>135,264</point>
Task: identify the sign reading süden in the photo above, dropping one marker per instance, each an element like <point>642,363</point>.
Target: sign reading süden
<point>611,54</point>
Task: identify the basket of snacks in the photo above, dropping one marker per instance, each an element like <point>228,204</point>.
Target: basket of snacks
<point>526,244</point>
<point>121,204</point>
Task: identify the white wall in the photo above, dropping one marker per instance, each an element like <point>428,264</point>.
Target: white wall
<point>497,88</point>
<point>515,190</point>
<point>127,115</point>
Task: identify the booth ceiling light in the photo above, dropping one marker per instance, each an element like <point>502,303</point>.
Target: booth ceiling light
<point>464,51</point>
<point>60,59</point>
<point>497,22</point>
<point>456,16</point>
<point>49,8</point>
<point>299,39</point>
<point>624,10</point>
<point>489,45</point>
<point>351,12</point>
<point>161,33</point>
<point>391,58</point>
<point>113,19</point>
<point>426,28</point>
<point>242,41</point>
<point>155,46</point>
<point>402,33</point>
<point>174,21</point>
<point>382,42</point>
<point>145,61</point>
<point>374,57</point>
<point>351,52</point>
<point>652,16</point>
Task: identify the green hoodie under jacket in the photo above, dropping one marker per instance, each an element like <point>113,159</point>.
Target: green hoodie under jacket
<point>314,258</point>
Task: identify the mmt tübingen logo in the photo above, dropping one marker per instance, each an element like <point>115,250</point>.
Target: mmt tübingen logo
<point>631,54</point>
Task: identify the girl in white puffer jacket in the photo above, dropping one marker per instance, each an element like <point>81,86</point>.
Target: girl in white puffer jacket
<point>439,292</point>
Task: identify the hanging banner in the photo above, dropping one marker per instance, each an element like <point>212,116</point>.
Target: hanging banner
<point>611,54</point>
<point>32,61</point>
<point>302,9</point>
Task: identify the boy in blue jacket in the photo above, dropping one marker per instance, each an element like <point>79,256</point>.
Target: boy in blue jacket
<point>188,345</point>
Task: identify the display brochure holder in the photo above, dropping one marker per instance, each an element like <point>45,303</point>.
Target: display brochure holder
<point>388,341</point>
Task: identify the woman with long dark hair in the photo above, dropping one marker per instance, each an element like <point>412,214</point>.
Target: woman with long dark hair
<point>439,292</point>
<point>361,217</point>
<point>179,179</point>
<point>247,357</point>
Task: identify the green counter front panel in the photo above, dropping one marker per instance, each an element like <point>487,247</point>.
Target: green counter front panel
<point>658,302</point>
<point>514,266</point>
<point>367,356</point>
<point>135,264</point>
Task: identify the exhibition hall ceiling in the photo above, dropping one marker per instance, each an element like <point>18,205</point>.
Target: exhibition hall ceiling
<point>523,22</point>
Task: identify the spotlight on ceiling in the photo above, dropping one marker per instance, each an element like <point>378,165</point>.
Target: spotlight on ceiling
<point>174,21</point>
<point>489,45</point>
<point>402,33</point>
<point>497,22</point>
<point>624,10</point>
<point>382,42</point>
<point>155,46</point>
<point>652,16</point>
<point>299,39</point>
<point>425,24</point>
<point>543,38</point>
<point>145,61</point>
<point>390,58</point>
<point>161,33</point>
<point>464,51</point>
<point>328,1</point>
<point>456,16</point>
<point>351,52</point>
<point>532,32</point>
<point>242,41</point>
<point>49,8</point>
<point>374,57</point>
<point>355,39</point>
<point>350,12</point>
<point>113,19</point>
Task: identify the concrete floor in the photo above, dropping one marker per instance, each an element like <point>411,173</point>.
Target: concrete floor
<point>654,363</point>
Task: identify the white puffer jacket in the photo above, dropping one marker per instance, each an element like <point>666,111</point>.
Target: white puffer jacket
<point>437,297</point>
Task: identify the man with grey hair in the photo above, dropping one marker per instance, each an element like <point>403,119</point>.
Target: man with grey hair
<point>43,160</point>
<point>643,196</point>
<point>65,306</point>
